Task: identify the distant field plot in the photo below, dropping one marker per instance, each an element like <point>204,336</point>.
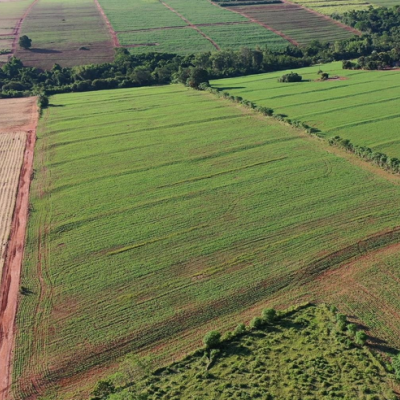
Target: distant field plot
<point>161,213</point>
<point>239,35</point>
<point>67,32</point>
<point>203,12</point>
<point>330,7</point>
<point>363,106</point>
<point>299,24</point>
<point>10,14</point>
<point>126,15</point>
<point>181,41</point>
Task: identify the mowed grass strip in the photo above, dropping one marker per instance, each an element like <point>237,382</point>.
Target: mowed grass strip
<point>159,212</point>
<point>180,41</point>
<point>362,106</point>
<point>66,32</point>
<point>296,22</point>
<point>335,6</point>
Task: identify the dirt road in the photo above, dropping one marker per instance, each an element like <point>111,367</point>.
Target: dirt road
<point>10,280</point>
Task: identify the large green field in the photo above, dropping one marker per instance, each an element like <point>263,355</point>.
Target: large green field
<point>157,213</point>
<point>362,106</point>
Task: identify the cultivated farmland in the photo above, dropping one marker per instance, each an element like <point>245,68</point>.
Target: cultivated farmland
<point>11,13</point>
<point>362,106</point>
<point>296,22</point>
<point>160,213</point>
<point>69,32</point>
<point>148,26</point>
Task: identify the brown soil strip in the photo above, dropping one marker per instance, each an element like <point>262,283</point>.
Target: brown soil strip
<point>334,21</point>
<point>108,23</point>
<point>185,27</point>
<point>17,29</point>
<point>10,282</point>
<point>270,28</point>
<point>191,25</point>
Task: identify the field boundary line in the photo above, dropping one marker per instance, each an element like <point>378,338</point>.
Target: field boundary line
<point>327,17</point>
<point>165,28</point>
<point>190,24</point>
<point>256,21</point>
<point>17,29</point>
<point>11,275</point>
<point>108,24</point>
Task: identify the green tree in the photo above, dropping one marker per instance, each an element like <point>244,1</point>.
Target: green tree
<point>25,42</point>
<point>103,389</point>
<point>351,329</point>
<point>240,330</point>
<point>361,338</point>
<point>269,315</point>
<point>256,323</point>
<point>212,339</point>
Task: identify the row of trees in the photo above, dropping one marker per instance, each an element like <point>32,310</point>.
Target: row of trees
<point>382,160</point>
<point>162,68</point>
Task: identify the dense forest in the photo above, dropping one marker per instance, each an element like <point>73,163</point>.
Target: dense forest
<point>378,48</point>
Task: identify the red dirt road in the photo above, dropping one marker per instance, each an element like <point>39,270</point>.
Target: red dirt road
<point>10,282</point>
<point>108,23</point>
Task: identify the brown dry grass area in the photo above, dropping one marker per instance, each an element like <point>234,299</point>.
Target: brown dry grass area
<point>17,139</point>
<point>16,114</point>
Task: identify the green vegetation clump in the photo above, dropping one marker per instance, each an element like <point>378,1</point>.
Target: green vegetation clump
<point>304,356</point>
<point>291,77</point>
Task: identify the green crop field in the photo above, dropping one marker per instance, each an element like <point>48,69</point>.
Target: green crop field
<point>362,106</point>
<point>157,213</point>
<point>181,41</point>
<point>149,25</point>
<point>302,355</point>
<point>299,24</point>
<point>69,33</point>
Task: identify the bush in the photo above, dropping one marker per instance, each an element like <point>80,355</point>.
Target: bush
<point>212,339</point>
<point>240,330</point>
<point>269,315</point>
<point>103,389</point>
<point>256,323</point>
<point>292,77</point>
<point>361,338</point>
<point>352,329</point>
<point>43,101</point>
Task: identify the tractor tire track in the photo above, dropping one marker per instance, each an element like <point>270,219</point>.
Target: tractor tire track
<point>190,25</point>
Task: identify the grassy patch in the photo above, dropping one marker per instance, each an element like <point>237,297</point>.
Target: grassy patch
<point>301,356</point>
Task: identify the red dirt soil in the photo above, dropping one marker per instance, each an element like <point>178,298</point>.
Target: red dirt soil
<point>108,23</point>
<point>10,282</point>
<point>191,25</point>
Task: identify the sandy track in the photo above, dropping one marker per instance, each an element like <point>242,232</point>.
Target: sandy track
<point>10,281</point>
<point>191,25</point>
<point>108,23</point>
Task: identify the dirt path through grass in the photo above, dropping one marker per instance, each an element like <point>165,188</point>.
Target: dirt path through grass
<point>109,26</point>
<point>10,282</point>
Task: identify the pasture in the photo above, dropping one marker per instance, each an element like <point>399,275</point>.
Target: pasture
<point>362,106</point>
<point>296,22</point>
<point>161,213</point>
<point>68,33</point>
